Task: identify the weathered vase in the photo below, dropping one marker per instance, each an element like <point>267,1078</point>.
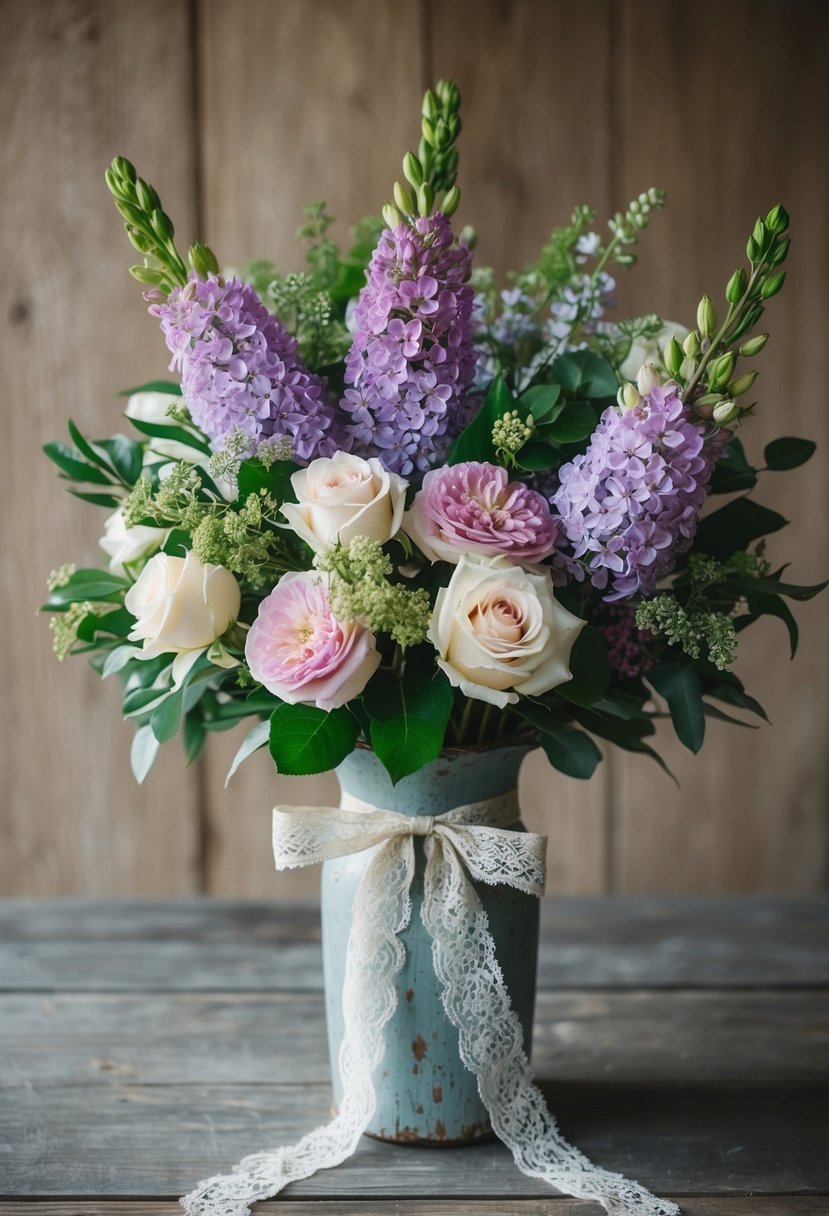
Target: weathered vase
<point>424,1093</point>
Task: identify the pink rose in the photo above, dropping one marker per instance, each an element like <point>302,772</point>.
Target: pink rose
<point>300,652</point>
<point>472,508</point>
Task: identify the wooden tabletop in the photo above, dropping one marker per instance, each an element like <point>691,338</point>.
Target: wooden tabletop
<point>144,1046</point>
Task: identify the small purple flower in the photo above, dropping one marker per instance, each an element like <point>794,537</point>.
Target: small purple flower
<point>240,370</point>
<point>630,504</point>
<point>472,508</point>
<point>412,359</point>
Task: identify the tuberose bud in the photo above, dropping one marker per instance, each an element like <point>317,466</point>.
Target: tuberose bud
<point>647,379</point>
<point>726,412</point>
<point>742,384</point>
<point>706,317</point>
<point>672,356</point>
<point>754,345</point>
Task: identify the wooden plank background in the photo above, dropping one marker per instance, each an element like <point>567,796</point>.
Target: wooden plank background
<point>241,112</point>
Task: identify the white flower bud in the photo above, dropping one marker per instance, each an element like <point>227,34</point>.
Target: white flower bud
<point>647,378</point>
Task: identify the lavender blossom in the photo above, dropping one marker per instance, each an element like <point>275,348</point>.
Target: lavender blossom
<point>240,370</point>
<point>630,504</point>
<point>412,359</point>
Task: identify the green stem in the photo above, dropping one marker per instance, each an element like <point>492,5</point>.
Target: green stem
<point>732,317</point>
<point>483,726</point>
<point>466,718</point>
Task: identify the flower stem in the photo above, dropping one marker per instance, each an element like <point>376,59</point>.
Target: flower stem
<point>466,718</point>
<point>483,726</point>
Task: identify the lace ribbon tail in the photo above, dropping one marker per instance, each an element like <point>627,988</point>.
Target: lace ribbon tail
<point>477,1003</point>
<point>374,956</point>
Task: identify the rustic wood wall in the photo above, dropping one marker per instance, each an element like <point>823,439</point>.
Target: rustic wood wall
<point>240,112</point>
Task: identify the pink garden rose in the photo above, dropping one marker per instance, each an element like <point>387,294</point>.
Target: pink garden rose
<point>300,652</point>
<point>473,508</point>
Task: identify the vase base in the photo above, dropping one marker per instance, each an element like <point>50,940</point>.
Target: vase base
<point>474,1133</point>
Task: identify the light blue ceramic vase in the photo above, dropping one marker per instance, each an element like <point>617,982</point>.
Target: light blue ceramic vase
<point>424,1093</point>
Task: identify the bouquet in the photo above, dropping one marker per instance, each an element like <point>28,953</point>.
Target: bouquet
<point>385,502</point>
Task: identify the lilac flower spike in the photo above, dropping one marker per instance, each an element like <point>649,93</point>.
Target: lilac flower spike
<point>412,359</point>
<point>240,369</point>
<point>630,504</point>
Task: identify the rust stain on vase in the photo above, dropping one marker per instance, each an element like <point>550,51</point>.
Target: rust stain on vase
<point>419,1048</point>
<point>437,1094</point>
<point>440,1130</point>
<point>410,995</point>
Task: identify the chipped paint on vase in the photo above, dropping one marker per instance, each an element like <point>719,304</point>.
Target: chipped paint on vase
<point>424,1093</point>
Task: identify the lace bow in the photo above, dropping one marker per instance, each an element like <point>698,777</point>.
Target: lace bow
<point>471,839</point>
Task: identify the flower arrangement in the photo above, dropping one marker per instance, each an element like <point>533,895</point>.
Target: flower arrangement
<point>385,501</point>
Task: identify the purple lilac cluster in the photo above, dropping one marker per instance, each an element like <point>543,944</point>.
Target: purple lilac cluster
<point>627,650</point>
<point>240,370</point>
<point>630,503</point>
<point>412,359</point>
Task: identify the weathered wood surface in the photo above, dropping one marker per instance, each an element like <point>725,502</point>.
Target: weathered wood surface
<point>712,1092</point>
<point>197,945</point>
<point>60,1039</point>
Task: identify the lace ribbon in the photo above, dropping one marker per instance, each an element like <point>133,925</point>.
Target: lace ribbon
<point>469,839</point>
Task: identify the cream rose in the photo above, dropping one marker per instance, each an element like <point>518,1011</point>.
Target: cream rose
<point>127,545</point>
<point>649,350</point>
<point>499,631</point>
<point>342,496</point>
<point>181,605</point>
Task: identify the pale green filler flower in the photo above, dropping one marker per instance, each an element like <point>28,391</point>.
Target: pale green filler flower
<point>509,434</point>
<point>61,576</point>
<point>65,625</point>
<point>665,616</point>
<point>360,590</point>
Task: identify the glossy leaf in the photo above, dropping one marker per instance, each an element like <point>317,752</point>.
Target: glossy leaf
<point>143,752</point>
<point>681,687</point>
<point>475,440</point>
<point>568,749</point>
<point>304,739</point>
<point>71,463</point>
<point>590,667</point>
<point>153,386</point>
<point>585,374</point>
<point>732,471</point>
<point>256,737</point>
<point>733,527</point>
<point>408,717</point>
<point>788,453</point>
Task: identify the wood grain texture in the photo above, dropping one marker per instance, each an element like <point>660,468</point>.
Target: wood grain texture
<point>155,1141</point>
<point>256,947</point>
<point>751,810</point>
<point>528,154</point>
<point>324,124</point>
<point>748,1205</point>
<point>80,80</point>
<point>271,1038</point>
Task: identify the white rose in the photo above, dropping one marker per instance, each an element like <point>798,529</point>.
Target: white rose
<point>152,407</point>
<point>127,545</point>
<point>649,350</point>
<point>499,631</point>
<point>180,605</point>
<point>343,496</point>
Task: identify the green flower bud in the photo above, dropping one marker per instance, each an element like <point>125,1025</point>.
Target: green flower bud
<point>777,220</point>
<point>425,198</point>
<point>672,357</point>
<point>706,317</point>
<point>133,215</point>
<point>144,274</point>
<point>742,384</point>
<point>721,370</point>
<point>736,286</point>
<point>468,236</point>
<point>772,285</point>
<point>450,202</point>
<point>391,216</point>
<point>412,169</point>
<point>726,412</point>
<point>429,109</point>
<point>202,260</point>
<point>628,397</point>
<point>780,252</point>
<point>162,225</point>
<point>123,169</point>
<point>691,345</point>
<point>138,241</point>
<point>754,345</point>
<point>687,368</point>
<point>752,250</point>
<point>147,197</point>
<point>709,399</point>
<point>404,199</point>
<point>760,235</point>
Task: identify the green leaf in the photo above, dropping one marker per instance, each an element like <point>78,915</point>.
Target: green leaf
<point>732,528</point>
<point>143,752</point>
<point>788,453</point>
<point>87,585</point>
<point>585,374</point>
<point>179,434</point>
<point>408,716</point>
<point>125,456</point>
<point>734,694</point>
<point>117,659</point>
<point>98,500</point>
<point>575,422</point>
<point>70,462</point>
<point>165,717</point>
<point>537,455</point>
<point>276,479</point>
<point>763,604</point>
<point>194,735</point>
<point>543,401</point>
<point>256,737</point>
<point>569,750</point>
<point>86,448</point>
<point>475,440</point>
<point>590,667</point>
<point>792,591</point>
<point>304,739</point>
<point>732,471</point>
<point>711,711</point>
<point>153,386</point>
<point>681,687</point>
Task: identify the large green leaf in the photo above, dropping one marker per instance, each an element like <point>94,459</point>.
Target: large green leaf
<point>125,457</point>
<point>73,466</point>
<point>733,527</point>
<point>304,739</point>
<point>569,750</point>
<point>590,667</point>
<point>143,752</point>
<point>788,452</point>
<point>585,374</point>
<point>275,478</point>
<point>763,604</point>
<point>256,737</point>
<point>475,440</point>
<point>681,687</point>
<point>575,422</point>
<point>732,471</point>
<point>408,717</point>
<point>87,585</point>
<point>171,431</point>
